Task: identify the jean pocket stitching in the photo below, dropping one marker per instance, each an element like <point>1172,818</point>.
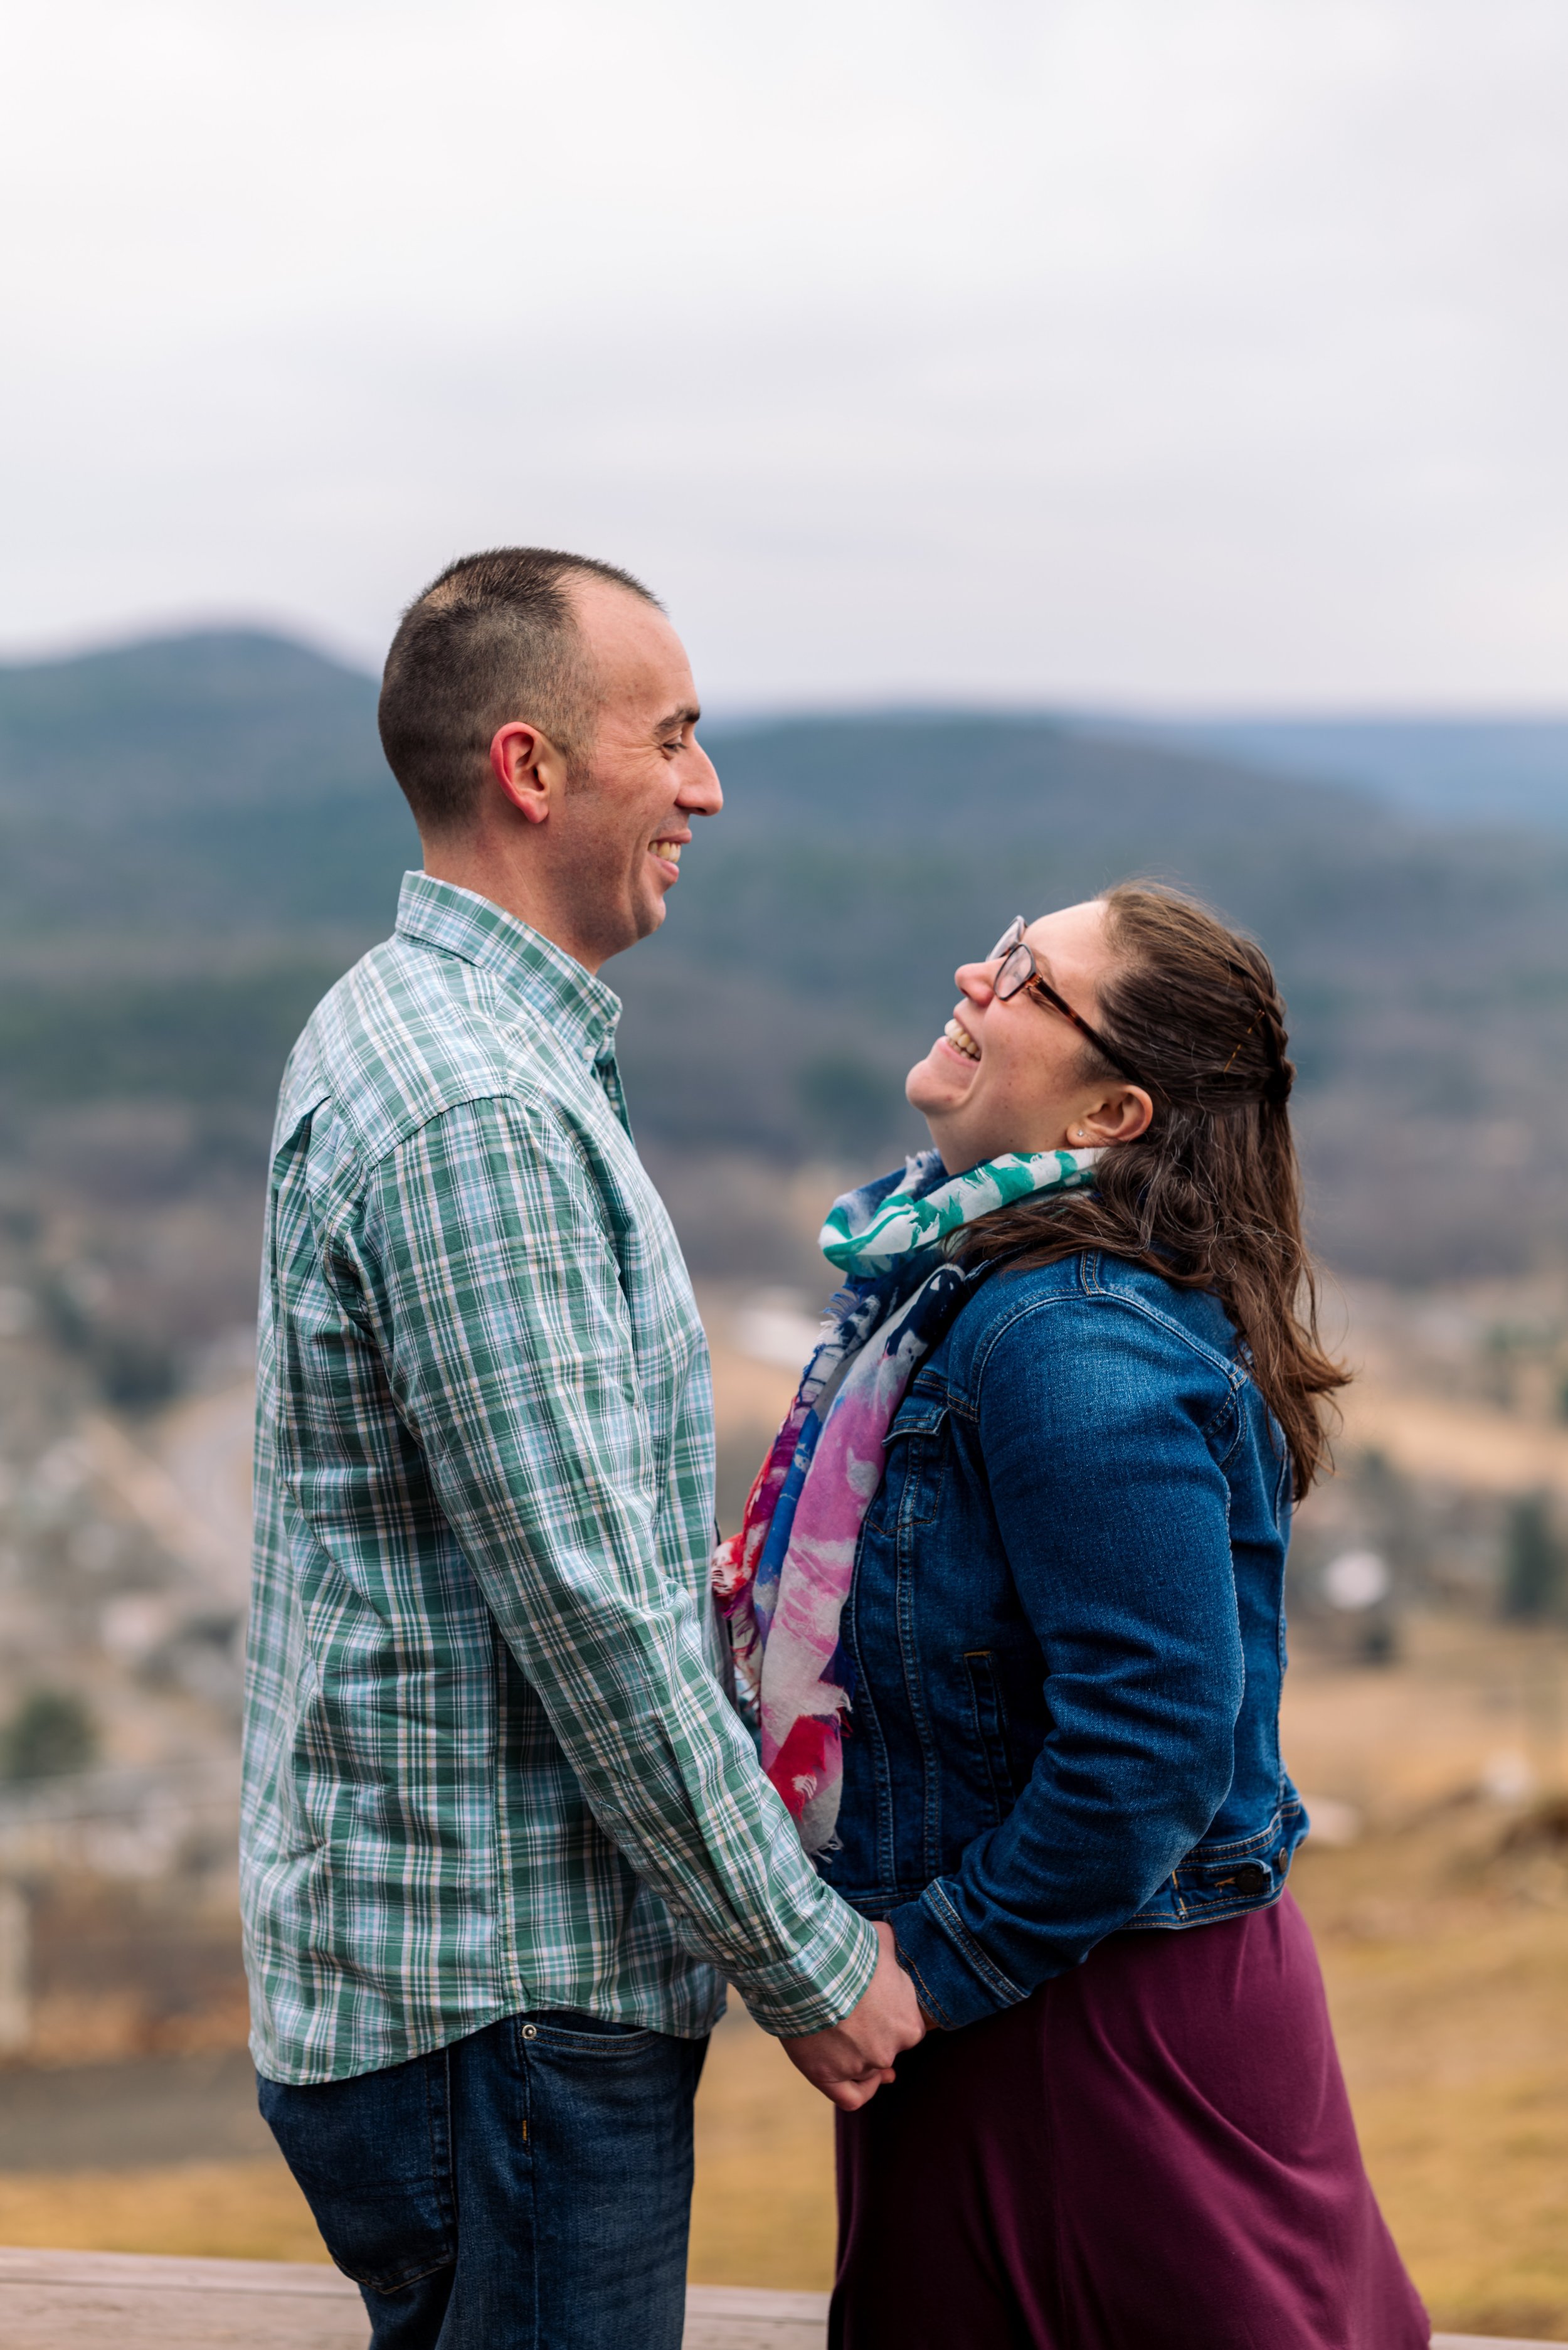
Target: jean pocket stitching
<point>598,2044</point>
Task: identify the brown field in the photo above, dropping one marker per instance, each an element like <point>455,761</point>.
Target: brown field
<point>1444,1937</point>
<point>1444,1933</point>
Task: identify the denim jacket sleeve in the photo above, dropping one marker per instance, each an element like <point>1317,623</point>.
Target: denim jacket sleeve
<point>1100,1430</point>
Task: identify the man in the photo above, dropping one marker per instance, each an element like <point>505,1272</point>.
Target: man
<point>503,1836</point>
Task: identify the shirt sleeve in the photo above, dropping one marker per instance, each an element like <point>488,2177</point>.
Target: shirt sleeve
<point>509,1346</point>
<point>1120,1547</point>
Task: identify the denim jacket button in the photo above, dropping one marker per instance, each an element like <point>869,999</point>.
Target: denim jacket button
<point>1253,1878</point>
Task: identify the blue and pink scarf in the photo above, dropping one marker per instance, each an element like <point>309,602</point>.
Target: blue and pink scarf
<point>782,1580</point>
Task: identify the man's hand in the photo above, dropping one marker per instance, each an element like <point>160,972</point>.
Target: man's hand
<point>848,2062</point>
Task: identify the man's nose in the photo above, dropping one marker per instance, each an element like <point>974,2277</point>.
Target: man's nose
<point>701,791</point>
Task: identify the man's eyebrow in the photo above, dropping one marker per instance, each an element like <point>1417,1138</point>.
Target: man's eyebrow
<point>687,716</point>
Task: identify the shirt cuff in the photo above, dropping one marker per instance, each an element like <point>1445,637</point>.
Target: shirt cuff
<point>818,1985</point>
<point>957,1980</point>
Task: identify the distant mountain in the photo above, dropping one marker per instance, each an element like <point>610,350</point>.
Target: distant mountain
<point>197,834</point>
<point>191,785</point>
<point>1479,771</point>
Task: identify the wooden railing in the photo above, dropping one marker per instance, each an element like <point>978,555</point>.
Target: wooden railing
<point>130,2301</point>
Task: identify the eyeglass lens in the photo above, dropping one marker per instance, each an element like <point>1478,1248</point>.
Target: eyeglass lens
<point>1017,965</point>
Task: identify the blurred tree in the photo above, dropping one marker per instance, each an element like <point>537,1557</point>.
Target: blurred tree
<point>1392,1505</point>
<point>133,1369</point>
<point>50,1732</point>
<point>851,1106</point>
<point>1531,1561</point>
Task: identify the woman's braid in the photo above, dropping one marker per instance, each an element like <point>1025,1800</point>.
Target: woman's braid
<point>1268,1024</point>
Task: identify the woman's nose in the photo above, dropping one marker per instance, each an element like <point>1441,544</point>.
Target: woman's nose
<point>976,980</point>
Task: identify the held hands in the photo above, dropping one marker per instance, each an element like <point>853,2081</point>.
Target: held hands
<point>848,2062</point>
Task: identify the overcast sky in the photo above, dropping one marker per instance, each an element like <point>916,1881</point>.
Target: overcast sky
<point>1157,352</point>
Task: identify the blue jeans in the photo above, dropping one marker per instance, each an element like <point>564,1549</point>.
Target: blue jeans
<point>526,2188</point>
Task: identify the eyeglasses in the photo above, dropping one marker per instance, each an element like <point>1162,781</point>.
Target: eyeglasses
<point>1019,970</point>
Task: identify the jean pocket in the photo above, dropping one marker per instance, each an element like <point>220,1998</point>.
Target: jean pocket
<point>371,2157</point>
<point>988,1719</point>
<point>573,2032</point>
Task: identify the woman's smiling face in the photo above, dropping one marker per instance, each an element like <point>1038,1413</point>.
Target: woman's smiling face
<point>1010,1076</point>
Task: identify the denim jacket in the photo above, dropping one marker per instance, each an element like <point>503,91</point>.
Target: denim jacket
<point>1066,1633</point>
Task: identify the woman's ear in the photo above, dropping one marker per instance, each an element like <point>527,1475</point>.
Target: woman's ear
<point>1119,1117</point>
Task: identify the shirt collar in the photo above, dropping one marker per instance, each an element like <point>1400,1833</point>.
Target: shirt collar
<point>580,1009</point>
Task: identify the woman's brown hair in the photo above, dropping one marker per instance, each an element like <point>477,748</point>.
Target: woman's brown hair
<point>1210,1196</point>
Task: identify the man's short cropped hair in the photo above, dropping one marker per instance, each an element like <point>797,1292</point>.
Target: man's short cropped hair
<point>493,639</point>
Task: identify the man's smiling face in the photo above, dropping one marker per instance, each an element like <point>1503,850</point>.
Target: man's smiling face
<point>644,774</point>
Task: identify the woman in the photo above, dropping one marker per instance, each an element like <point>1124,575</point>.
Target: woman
<point>1010,1596</point>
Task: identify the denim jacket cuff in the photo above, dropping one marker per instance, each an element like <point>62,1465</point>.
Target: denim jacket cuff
<point>957,1980</point>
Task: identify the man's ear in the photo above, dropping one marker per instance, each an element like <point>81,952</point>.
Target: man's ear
<point>1120,1116</point>
<point>528,768</point>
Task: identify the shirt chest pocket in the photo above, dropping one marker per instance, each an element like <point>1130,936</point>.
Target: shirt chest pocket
<point>916,1450</point>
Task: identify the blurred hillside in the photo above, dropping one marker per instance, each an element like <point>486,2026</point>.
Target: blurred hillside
<point>197,835</point>
<point>199,782</point>
<point>1472,771</point>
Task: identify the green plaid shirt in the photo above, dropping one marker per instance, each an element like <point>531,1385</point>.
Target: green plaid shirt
<point>489,1762</point>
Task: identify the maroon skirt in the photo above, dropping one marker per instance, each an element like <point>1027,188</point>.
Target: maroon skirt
<point>1154,2152</point>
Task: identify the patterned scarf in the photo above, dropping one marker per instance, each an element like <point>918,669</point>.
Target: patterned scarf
<point>782,1580</point>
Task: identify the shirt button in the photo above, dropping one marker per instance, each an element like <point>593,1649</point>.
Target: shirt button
<point>530,2031</point>
<point>1251,1878</point>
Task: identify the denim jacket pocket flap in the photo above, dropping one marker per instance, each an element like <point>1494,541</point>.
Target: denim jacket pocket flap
<point>920,1415</point>
<point>912,1481</point>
